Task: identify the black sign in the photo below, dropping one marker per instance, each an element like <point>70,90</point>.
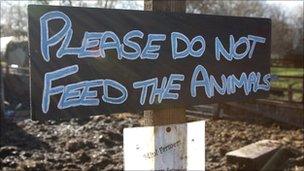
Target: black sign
<point>88,61</point>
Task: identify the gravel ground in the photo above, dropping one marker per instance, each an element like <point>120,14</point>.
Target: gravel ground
<point>223,136</point>
<point>96,143</point>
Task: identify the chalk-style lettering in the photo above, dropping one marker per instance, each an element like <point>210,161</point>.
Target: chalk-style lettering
<point>114,44</point>
<point>79,94</point>
<point>46,41</point>
<point>48,90</point>
<point>242,40</point>
<point>217,87</point>
<point>94,44</point>
<point>171,86</point>
<point>65,49</point>
<point>150,51</point>
<point>116,85</point>
<point>157,91</point>
<point>90,45</point>
<point>199,52</point>
<point>162,92</point>
<point>144,85</point>
<point>233,46</point>
<point>131,44</point>
<point>255,39</point>
<point>205,82</point>
<point>250,83</point>
<point>175,36</point>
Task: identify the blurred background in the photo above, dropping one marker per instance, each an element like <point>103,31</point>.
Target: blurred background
<point>96,143</point>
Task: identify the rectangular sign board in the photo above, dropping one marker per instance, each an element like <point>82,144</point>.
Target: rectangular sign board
<point>89,61</point>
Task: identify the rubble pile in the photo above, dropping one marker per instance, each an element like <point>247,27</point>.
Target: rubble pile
<point>223,136</point>
<point>92,144</point>
<point>96,143</point>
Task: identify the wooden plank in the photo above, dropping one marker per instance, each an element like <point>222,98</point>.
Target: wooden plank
<point>287,89</point>
<point>280,103</point>
<point>284,113</point>
<point>170,147</point>
<point>278,160</point>
<point>168,76</point>
<point>291,77</point>
<point>286,63</point>
<point>168,5</point>
<point>2,110</point>
<point>253,156</point>
<point>172,114</point>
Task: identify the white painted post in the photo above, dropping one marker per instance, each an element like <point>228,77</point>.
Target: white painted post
<point>170,147</point>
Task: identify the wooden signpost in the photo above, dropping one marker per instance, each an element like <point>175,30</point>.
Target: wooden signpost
<point>90,61</point>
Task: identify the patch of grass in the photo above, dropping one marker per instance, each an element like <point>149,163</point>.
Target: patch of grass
<point>285,82</point>
<point>3,63</point>
<point>287,71</point>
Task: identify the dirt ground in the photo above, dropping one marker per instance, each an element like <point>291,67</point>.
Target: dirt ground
<point>96,143</point>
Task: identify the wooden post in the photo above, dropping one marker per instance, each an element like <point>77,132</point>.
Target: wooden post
<point>167,128</point>
<point>165,5</point>
<point>216,114</point>
<point>1,95</point>
<point>172,114</point>
<point>290,94</point>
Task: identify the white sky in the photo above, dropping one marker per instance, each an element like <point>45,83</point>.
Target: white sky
<point>286,5</point>
<point>290,4</point>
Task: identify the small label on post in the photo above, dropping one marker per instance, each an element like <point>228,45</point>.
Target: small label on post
<point>170,147</point>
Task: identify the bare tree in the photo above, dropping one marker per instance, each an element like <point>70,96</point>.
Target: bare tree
<point>283,32</point>
<point>296,53</point>
<point>15,18</point>
<point>43,2</point>
<point>14,14</point>
<point>234,8</point>
<point>106,3</point>
<point>297,22</point>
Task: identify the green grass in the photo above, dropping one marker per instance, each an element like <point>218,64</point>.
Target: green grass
<point>3,63</point>
<point>285,82</point>
<point>296,84</point>
<point>287,71</point>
